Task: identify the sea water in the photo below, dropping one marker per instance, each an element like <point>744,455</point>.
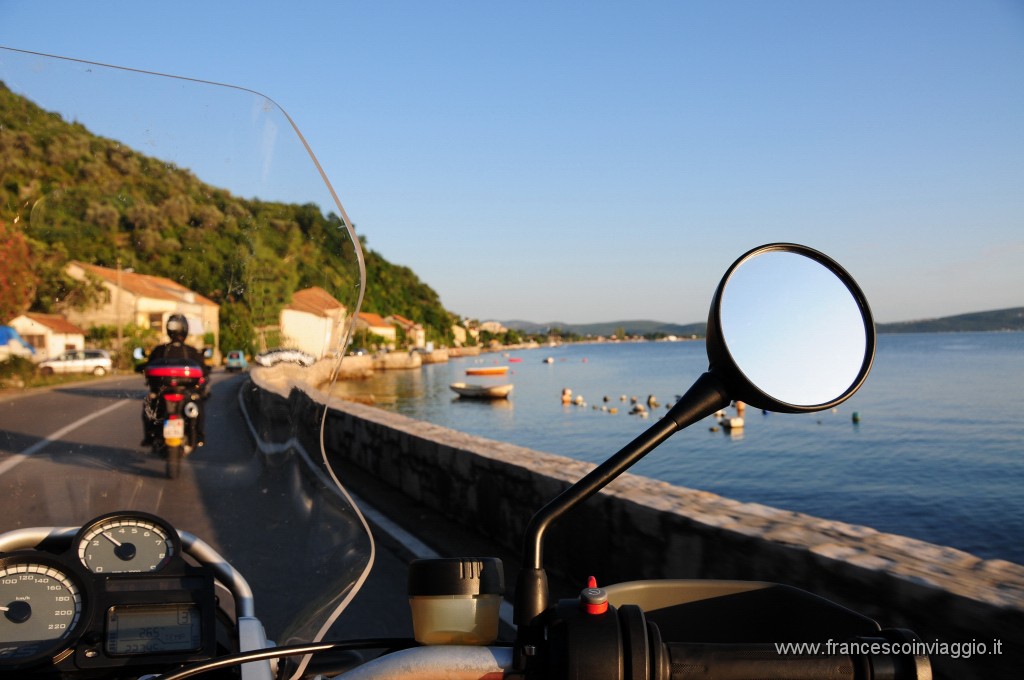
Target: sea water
<point>937,450</point>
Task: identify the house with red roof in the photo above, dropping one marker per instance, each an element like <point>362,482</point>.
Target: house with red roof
<point>48,334</point>
<point>415,335</point>
<point>314,321</point>
<point>376,325</point>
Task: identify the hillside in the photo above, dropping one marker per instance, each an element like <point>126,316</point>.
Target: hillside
<point>93,199</point>
<point>995,320</point>
<point>607,329</point>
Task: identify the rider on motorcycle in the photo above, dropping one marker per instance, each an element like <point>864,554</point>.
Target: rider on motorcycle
<point>177,331</point>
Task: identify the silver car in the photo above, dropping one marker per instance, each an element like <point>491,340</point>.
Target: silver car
<point>95,361</point>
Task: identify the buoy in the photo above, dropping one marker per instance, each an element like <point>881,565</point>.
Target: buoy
<point>652,401</point>
<point>732,423</point>
<point>856,416</point>
<point>613,410</point>
<point>566,395</point>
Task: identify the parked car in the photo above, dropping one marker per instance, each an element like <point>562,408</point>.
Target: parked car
<point>95,361</point>
<point>236,361</point>
<point>293,356</point>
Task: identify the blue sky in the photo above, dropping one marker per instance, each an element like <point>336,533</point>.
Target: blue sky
<point>592,161</point>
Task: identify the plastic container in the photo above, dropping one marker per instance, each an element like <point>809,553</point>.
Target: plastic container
<point>455,601</point>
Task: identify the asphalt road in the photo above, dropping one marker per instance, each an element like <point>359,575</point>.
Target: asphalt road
<point>72,453</point>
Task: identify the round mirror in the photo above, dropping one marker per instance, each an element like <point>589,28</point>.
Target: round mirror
<point>790,330</point>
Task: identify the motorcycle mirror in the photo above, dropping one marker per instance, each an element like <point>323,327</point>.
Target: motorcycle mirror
<point>789,330</point>
<point>138,354</point>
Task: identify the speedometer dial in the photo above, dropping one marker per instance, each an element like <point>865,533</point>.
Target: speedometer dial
<point>39,606</point>
<point>119,544</point>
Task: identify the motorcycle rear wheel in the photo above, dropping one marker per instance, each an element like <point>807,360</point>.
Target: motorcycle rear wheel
<point>174,455</point>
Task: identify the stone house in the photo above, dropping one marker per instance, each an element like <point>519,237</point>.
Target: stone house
<point>146,301</point>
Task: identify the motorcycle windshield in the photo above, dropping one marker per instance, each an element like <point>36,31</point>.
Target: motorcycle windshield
<point>128,197</point>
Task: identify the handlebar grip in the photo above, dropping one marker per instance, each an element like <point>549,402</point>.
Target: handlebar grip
<point>690,661</point>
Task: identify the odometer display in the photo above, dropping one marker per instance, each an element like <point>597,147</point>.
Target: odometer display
<point>153,629</point>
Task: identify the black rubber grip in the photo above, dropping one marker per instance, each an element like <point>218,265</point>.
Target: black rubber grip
<point>746,661</point>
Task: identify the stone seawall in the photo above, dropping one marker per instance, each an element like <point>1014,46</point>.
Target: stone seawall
<point>642,528</point>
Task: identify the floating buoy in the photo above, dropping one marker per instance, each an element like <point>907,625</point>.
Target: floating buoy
<point>613,410</point>
<point>856,416</point>
<point>652,401</point>
<point>566,395</point>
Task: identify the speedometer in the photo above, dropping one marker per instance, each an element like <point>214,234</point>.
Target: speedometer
<point>126,543</point>
<point>40,605</point>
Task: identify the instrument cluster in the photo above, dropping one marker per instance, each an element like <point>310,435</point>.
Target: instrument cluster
<point>118,594</point>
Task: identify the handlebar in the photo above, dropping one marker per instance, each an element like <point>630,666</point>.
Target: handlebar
<point>764,661</point>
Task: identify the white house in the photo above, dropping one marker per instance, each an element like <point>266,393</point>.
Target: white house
<point>313,322</point>
<point>48,334</point>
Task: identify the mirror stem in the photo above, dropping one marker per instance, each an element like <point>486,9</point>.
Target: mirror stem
<point>707,395</point>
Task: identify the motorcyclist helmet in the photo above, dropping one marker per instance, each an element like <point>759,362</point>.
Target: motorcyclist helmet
<point>177,327</point>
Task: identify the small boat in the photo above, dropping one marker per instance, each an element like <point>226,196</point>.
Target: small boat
<point>482,391</point>
<point>487,370</point>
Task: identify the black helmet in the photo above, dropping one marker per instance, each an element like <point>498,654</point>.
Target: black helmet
<point>177,327</point>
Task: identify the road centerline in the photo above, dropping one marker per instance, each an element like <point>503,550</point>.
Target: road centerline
<point>20,457</point>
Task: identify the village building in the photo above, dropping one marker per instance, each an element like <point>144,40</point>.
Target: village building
<point>493,327</point>
<point>415,334</point>
<point>313,322</point>
<point>48,334</point>
<point>375,324</point>
<point>145,301</point>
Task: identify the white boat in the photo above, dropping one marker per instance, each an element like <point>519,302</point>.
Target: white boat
<point>482,391</point>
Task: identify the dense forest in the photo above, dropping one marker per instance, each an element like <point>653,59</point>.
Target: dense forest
<point>67,194</point>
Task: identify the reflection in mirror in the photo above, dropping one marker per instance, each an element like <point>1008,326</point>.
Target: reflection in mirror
<point>793,328</point>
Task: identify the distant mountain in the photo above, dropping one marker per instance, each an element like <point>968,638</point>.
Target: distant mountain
<point>609,328</point>
<point>995,320</point>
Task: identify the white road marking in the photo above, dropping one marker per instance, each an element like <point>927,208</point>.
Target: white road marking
<point>21,457</point>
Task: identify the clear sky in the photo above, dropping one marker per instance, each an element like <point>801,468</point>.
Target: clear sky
<point>598,161</point>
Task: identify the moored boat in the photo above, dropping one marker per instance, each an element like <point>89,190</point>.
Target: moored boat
<point>482,391</point>
<point>487,370</point>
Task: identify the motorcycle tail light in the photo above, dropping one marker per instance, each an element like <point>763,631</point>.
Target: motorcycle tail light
<point>174,397</point>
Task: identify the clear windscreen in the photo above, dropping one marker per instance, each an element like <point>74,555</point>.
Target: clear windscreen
<point>127,197</point>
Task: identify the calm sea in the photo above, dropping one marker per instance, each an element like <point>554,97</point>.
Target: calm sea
<point>938,453</point>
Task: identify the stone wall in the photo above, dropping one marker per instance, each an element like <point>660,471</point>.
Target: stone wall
<point>642,528</point>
